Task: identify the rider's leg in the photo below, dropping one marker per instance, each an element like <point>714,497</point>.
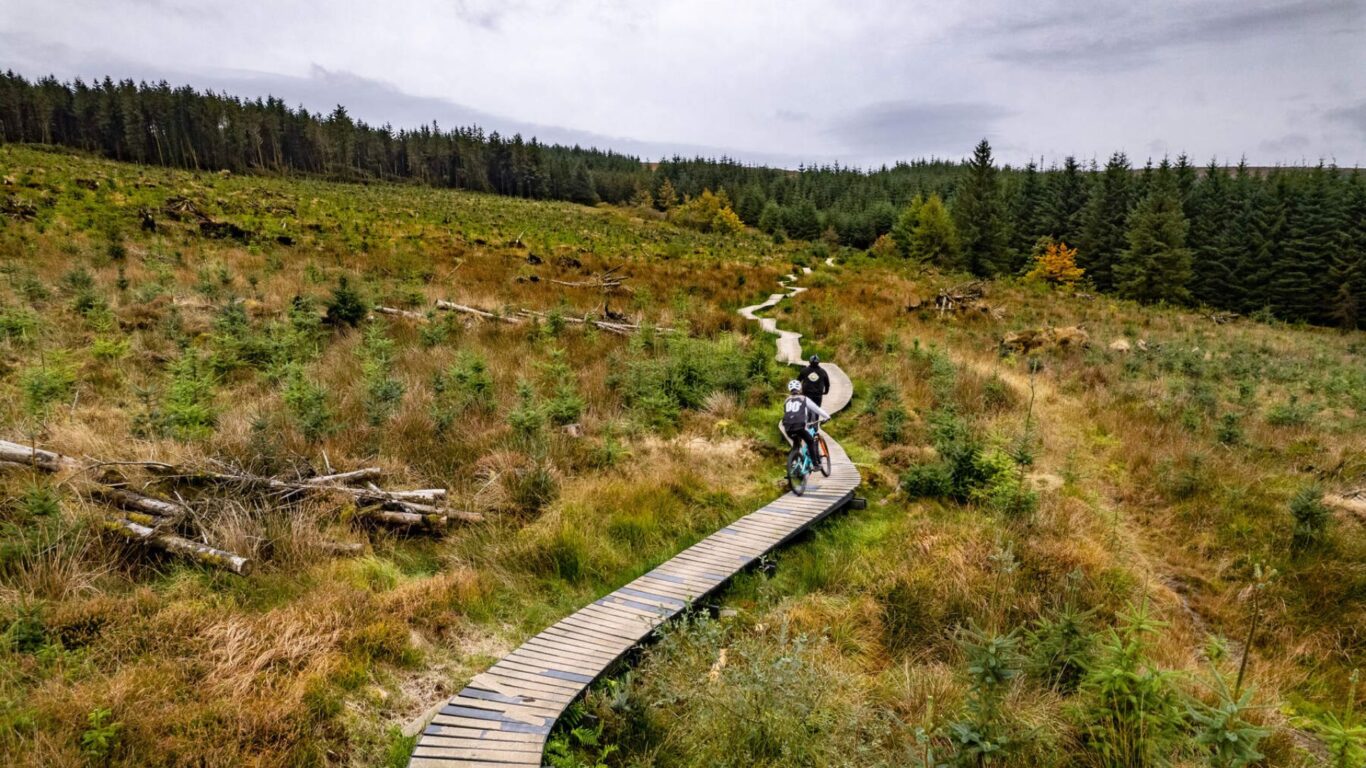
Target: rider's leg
<point>813,449</point>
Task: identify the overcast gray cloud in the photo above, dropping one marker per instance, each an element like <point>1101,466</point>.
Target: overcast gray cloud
<point>1126,35</point>
<point>764,81</point>
<point>893,127</point>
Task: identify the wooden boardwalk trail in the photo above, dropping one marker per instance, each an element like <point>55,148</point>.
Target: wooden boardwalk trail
<point>503,718</point>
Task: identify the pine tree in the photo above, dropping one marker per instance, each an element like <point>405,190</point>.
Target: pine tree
<point>665,197</point>
<point>641,197</point>
<point>1028,211</point>
<point>1349,299</point>
<point>750,205</point>
<point>581,188</point>
<point>934,238</point>
<point>978,215</point>
<point>1103,235</point>
<point>1157,264</point>
<point>906,224</point>
<point>1066,201</point>
<point>802,221</point>
<point>1185,180</point>
<point>1215,262</point>
<point>771,219</point>
<point>1262,221</point>
<point>1299,285</point>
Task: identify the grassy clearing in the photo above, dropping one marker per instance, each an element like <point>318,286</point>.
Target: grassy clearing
<point>1048,538</point>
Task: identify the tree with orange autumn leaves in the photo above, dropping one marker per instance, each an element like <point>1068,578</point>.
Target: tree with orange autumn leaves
<point>1055,264</point>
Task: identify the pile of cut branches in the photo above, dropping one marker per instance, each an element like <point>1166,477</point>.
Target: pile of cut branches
<point>965,297</point>
<point>167,522</point>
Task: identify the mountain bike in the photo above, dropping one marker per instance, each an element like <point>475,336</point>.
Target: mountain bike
<point>799,464</point>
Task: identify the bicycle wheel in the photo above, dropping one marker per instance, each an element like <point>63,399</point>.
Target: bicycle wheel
<point>825,456</point>
<point>796,474</point>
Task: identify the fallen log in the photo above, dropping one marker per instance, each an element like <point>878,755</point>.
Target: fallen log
<point>414,519</point>
<point>623,329</point>
<point>36,457</point>
<point>341,478</point>
<point>341,548</point>
<point>201,553</point>
<point>423,494</point>
<point>451,306</point>
<point>165,513</point>
<point>401,313</point>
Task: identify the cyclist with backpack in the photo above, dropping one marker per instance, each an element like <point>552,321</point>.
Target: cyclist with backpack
<point>815,381</point>
<point>799,413</point>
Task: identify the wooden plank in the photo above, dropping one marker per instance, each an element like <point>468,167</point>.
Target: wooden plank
<point>513,682</point>
<point>688,589</point>
<point>704,562</point>
<point>741,532</point>
<point>630,614</point>
<point>686,561</point>
<point>720,554</point>
<point>608,633</point>
<point>651,597</point>
<point>765,524</point>
<point>556,657</point>
<point>505,716</point>
<point>738,557</point>
<point>534,648</point>
<point>749,541</point>
<point>541,705</point>
<point>531,750</point>
<point>619,631</point>
<point>705,578</point>
<point>584,656</point>
<point>490,680</point>
<point>531,666</point>
<point>480,733</point>
<point>691,573</point>
<point>704,556</point>
<point>672,588</point>
<point>438,762</point>
<point>670,584</point>
<point>474,753</point>
<point>489,725</point>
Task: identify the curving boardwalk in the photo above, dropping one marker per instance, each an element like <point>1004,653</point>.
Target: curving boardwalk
<point>503,718</point>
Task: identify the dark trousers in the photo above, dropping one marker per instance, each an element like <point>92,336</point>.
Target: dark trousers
<point>816,398</point>
<point>812,448</point>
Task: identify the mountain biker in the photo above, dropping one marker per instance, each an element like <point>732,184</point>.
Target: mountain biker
<point>815,381</point>
<point>799,413</point>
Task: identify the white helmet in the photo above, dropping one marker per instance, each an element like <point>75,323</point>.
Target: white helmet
<point>794,386</point>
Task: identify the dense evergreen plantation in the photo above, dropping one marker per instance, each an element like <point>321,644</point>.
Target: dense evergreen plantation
<point>1288,243</point>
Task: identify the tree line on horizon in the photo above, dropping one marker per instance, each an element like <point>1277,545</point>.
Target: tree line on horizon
<point>1289,242</point>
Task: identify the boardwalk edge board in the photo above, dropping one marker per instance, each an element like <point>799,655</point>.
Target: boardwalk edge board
<point>503,717</point>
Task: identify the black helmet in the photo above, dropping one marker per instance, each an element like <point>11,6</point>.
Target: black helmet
<point>815,359</point>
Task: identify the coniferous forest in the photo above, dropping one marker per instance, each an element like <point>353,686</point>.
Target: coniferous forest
<point>1288,243</point>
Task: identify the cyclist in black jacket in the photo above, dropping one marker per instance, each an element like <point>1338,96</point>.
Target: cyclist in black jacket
<point>815,381</point>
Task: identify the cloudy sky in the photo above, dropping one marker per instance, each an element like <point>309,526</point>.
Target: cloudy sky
<point>780,82</point>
